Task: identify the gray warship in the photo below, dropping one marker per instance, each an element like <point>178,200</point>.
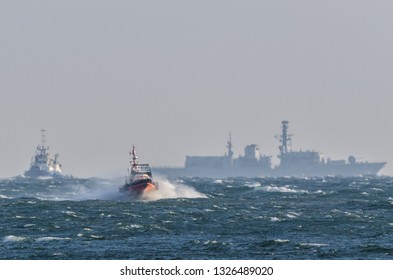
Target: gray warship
<point>42,164</point>
<point>253,164</point>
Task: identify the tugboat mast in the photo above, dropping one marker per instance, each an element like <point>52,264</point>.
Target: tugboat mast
<point>134,157</point>
<point>43,136</point>
<point>285,138</point>
<point>42,150</point>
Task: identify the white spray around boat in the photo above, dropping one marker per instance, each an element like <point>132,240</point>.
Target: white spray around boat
<point>168,190</point>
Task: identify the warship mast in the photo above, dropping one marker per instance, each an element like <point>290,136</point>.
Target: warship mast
<point>285,138</point>
<point>229,146</point>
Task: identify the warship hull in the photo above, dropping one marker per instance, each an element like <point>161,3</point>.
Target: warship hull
<point>347,170</point>
<point>34,173</point>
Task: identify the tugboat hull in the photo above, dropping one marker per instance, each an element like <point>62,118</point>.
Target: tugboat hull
<point>139,189</point>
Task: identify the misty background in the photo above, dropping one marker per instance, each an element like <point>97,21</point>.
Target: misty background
<point>176,77</point>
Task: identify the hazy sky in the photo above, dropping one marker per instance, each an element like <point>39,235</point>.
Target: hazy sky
<point>175,77</point>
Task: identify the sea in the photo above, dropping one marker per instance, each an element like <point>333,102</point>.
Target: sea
<point>198,219</point>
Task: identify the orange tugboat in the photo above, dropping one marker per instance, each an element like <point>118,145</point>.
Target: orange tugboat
<point>139,180</point>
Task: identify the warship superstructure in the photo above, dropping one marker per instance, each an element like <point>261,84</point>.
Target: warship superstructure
<point>251,164</point>
<point>301,163</point>
<point>42,164</point>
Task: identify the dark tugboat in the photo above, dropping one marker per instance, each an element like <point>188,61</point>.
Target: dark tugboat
<point>139,180</point>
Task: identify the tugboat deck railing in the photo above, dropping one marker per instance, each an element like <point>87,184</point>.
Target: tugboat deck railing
<point>141,168</point>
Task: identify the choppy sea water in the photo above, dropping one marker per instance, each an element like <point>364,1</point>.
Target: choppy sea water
<point>237,218</point>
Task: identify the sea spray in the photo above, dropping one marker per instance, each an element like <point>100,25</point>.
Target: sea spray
<point>166,190</point>
<point>79,190</point>
<point>94,189</point>
<point>169,189</point>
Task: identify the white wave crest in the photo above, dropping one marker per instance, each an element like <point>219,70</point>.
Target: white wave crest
<point>313,244</point>
<point>281,240</point>
<point>293,215</point>
<point>13,238</point>
<point>285,189</point>
<point>51,238</point>
<point>252,184</point>
<point>274,219</point>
